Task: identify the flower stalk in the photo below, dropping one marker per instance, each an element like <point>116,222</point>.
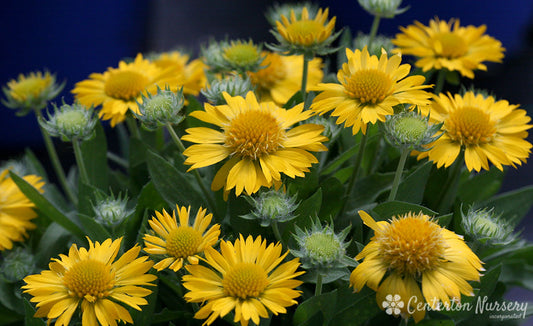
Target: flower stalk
<point>398,173</point>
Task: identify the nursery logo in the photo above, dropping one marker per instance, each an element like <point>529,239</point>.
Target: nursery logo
<point>393,304</point>
<point>500,310</point>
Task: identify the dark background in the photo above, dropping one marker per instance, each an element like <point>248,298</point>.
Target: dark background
<point>75,38</point>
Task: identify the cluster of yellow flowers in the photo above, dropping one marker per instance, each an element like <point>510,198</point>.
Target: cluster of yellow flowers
<point>258,143</point>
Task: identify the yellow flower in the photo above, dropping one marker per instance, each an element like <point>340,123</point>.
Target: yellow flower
<point>31,91</point>
<point>118,89</point>
<point>93,280</point>
<point>486,129</point>
<point>305,31</point>
<point>180,242</point>
<point>245,277</point>
<point>281,76</point>
<point>447,45</point>
<point>413,257</point>
<point>16,210</point>
<point>369,88</point>
<point>257,138</point>
<point>191,74</point>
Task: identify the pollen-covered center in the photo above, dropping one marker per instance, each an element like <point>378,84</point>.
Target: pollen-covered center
<point>411,245</point>
<point>369,86</point>
<point>183,242</point>
<point>89,279</point>
<point>254,133</point>
<point>449,45</point>
<point>470,126</point>
<point>241,54</point>
<point>323,247</point>
<point>273,72</point>
<point>29,87</point>
<point>306,32</point>
<point>125,85</point>
<point>245,280</point>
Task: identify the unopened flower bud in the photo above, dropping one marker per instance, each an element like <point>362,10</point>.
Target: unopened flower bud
<point>383,8</point>
<point>272,206</point>
<point>17,264</point>
<point>70,121</point>
<point>485,227</point>
<point>234,85</point>
<point>161,108</point>
<point>409,130</point>
<point>111,211</point>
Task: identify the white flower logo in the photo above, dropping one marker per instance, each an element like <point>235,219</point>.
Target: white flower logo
<point>392,304</point>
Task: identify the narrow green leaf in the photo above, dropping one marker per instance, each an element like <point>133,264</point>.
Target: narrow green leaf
<point>53,242</point>
<point>46,207</point>
<point>307,209</point>
<point>307,311</point>
<point>412,187</point>
<point>480,186</point>
<point>512,205</point>
<point>340,160</point>
<point>29,320</point>
<point>94,153</point>
<point>394,208</point>
<point>349,304</point>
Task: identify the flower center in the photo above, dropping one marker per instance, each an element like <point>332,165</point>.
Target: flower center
<point>183,242</point>
<point>241,54</point>
<point>411,245</point>
<point>322,247</point>
<point>29,87</point>
<point>125,85</point>
<point>245,280</point>
<point>470,126</point>
<point>71,120</point>
<point>274,72</point>
<point>305,32</point>
<point>254,133</point>
<point>449,45</point>
<point>369,86</point>
<point>89,279</point>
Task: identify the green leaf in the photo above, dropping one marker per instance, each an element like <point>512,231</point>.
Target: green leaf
<point>94,153</point>
<point>332,190</point>
<point>340,160</point>
<point>349,305</point>
<point>174,186</point>
<point>53,242</point>
<point>412,187</point>
<point>144,316</point>
<point>368,189</point>
<point>480,186</point>
<point>316,310</point>
<point>307,209</point>
<point>46,207</point>
<point>394,208</point>
<point>8,298</point>
<point>29,320</point>
<point>512,205</point>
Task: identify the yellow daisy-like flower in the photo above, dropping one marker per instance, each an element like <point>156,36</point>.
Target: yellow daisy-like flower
<point>447,45</point>
<point>246,276</point>
<point>415,258</point>
<point>305,31</point>
<point>93,280</point>
<point>190,74</point>
<point>118,89</point>
<point>486,129</point>
<point>16,210</point>
<point>369,89</point>
<point>178,242</point>
<point>257,138</point>
<point>281,76</point>
<point>31,92</point>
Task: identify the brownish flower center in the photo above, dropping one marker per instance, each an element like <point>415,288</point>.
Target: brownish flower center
<point>369,86</point>
<point>245,280</point>
<point>183,242</point>
<point>254,133</point>
<point>449,45</point>
<point>125,85</point>
<point>470,126</point>
<point>89,279</point>
<point>411,245</point>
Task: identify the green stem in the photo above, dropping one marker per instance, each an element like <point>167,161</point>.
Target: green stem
<point>398,174</point>
<point>79,159</point>
<point>132,126</point>
<point>373,31</point>
<point>357,164</point>
<point>159,138</point>
<point>277,234</point>
<point>441,77</point>
<point>304,80</point>
<point>56,164</point>
<point>199,179</point>
<point>318,288</point>
<point>117,159</point>
<point>449,188</point>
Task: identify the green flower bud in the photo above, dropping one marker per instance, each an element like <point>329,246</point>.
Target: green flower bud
<point>322,251</point>
<point>235,55</point>
<point>383,8</point>
<point>272,206</point>
<point>31,92</point>
<point>234,85</point>
<point>409,130</point>
<point>70,121</point>
<point>161,108</point>
<point>331,129</point>
<point>17,264</point>
<point>380,42</point>
<point>111,211</point>
<point>486,228</point>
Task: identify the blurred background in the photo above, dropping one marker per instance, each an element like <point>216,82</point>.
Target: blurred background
<point>76,38</point>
